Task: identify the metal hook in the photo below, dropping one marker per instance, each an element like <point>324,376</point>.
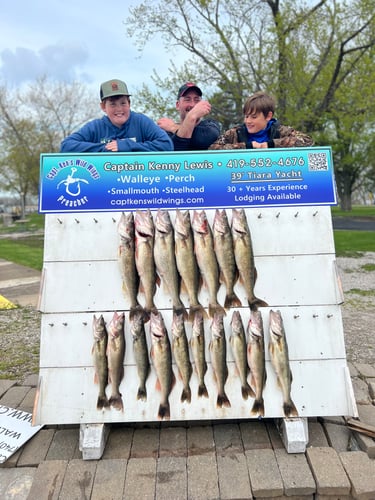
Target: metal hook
<point>315,315</point>
<point>315,213</point>
<point>278,215</point>
<point>60,221</point>
<point>259,216</point>
<point>51,324</point>
<point>296,214</point>
<point>113,219</point>
<point>95,220</point>
<point>77,221</point>
<point>329,315</point>
<point>296,316</point>
<point>65,324</point>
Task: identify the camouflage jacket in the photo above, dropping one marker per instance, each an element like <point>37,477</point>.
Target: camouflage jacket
<point>280,136</point>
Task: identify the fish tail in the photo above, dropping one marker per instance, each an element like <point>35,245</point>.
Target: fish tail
<point>135,309</point>
<point>255,303</point>
<point>180,309</point>
<point>102,402</point>
<point>247,391</point>
<point>202,390</point>
<point>215,308</point>
<point>231,300</point>
<point>222,400</point>
<point>196,309</point>
<point>186,394</point>
<point>116,402</point>
<point>258,408</point>
<point>142,394</point>
<point>290,409</point>
<point>164,411</point>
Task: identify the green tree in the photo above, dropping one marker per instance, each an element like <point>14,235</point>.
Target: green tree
<point>313,57</point>
<point>34,121</point>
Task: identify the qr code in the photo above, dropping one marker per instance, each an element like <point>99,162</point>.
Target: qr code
<point>317,161</point>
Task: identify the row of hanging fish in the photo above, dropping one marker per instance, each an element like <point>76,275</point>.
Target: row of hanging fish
<point>247,349</point>
<point>185,255</point>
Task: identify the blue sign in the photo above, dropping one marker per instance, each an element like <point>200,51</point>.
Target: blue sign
<point>187,180</point>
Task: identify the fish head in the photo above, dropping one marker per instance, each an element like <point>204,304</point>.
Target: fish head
<point>144,224</point>
<point>116,325</point>
<point>182,224</point>
<point>255,326</point>
<point>99,328</point>
<point>276,324</point>
<point>239,221</point>
<point>200,222</point>
<point>163,222</point>
<point>197,322</point>
<point>236,323</point>
<point>157,327</point>
<point>178,324</point>
<point>221,224</point>
<point>217,325</point>
<point>136,323</point>
<point>125,226</point>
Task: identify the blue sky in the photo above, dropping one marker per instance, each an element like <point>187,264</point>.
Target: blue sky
<point>73,39</point>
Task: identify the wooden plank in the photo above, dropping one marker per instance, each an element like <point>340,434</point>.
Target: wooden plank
<point>94,236</point>
<point>69,395</point>
<point>97,286</point>
<point>313,332</point>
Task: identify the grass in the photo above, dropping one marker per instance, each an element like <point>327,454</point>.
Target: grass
<point>357,211</point>
<point>28,249</point>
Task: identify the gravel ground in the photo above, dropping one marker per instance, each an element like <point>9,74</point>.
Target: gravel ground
<point>20,328</point>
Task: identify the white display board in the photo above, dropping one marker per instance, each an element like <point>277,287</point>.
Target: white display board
<point>295,261</point>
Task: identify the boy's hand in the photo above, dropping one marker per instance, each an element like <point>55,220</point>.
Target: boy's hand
<point>167,124</point>
<point>111,146</point>
<point>259,145</point>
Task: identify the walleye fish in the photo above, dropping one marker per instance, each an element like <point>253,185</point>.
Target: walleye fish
<point>206,259</point>
<point>115,355</point>
<point>130,278</point>
<point>186,261</point>
<point>243,254</point>
<point>278,349</point>
<point>256,361</point>
<point>162,360</point>
<point>180,349</point>
<point>137,330</point>
<point>218,353</point>
<point>99,352</point>
<point>223,246</point>
<point>239,349</point>
<point>144,257</point>
<point>197,344</point>
<point>165,259</point>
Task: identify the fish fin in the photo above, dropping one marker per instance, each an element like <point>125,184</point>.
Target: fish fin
<point>247,392</point>
<point>258,408</point>
<point>196,309</point>
<point>134,310</point>
<point>164,412</point>
<point>116,402</point>
<point>202,391</point>
<point>290,409</point>
<point>222,400</point>
<point>215,308</point>
<point>180,309</point>
<point>255,303</point>
<point>102,402</point>
<point>186,395</point>
<point>142,394</point>
<point>232,300</point>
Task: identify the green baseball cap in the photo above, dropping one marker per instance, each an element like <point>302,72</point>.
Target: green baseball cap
<point>112,88</point>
